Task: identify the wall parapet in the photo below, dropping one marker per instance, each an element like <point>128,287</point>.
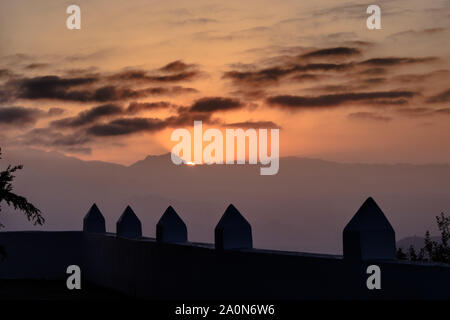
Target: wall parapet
<point>170,267</point>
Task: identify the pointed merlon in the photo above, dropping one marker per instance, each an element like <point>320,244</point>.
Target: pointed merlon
<point>171,228</point>
<point>233,231</point>
<point>369,235</point>
<point>94,221</point>
<point>129,225</point>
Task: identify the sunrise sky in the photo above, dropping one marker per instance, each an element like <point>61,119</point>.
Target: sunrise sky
<point>137,70</point>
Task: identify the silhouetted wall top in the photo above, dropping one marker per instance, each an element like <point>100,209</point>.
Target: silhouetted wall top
<point>143,268</point>
<point>94,221</point>
<point>171,228</point>
<point>233,231</point>
<point>129,225</point>
<point>369,235</point>
<point>369,217</point>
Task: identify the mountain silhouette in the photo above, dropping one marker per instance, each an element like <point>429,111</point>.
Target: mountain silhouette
<point>305,207</point>
<point>415,241</point>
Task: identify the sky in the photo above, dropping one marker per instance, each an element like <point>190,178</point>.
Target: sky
<point>137,70</point>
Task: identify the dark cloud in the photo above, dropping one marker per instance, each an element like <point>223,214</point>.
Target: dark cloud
<point>103,94</point>
<point>250,94</point>
<point>79,150</point>
<point>254,124</point>
<point>389,102</point>
<point>52,82</point>
<point>86,72</point>
<point>175,71</point>
<point>274,74</point>
<point>414,112</point>
<point>331,100</point>
<point>368,116</point>
<point>435,76</point>
<point>85,85</point>
<point>126,126</point>
<point>22,116</point>
<point>5,73</point>
<point>52,112</point>
<point>359,43</point>
<point>260,76</point>
<point>19,116</point>
<point>293,67</point>
<point>288,67</point>
<point>33,66</point>
<point>213,104</point>
<point>332,52</point>
<point>354,85</point>
<point>344,11</point>
<point>374,80</point>
<point>182,76</point>
<point>323,67</point>
<point>350,10</point>
<point>143,76</point>
<point>187,118</point>
<point>349,80</point>
<point>136,107</point>
<point>89,116</point>
<point>48,137</point>
<point>93,115</point>
<point>443,111</point>
<point>113,93</point>
<point>433,30</point>
<point>50,87</point>
<point>78,90</point>
<point>374,71</point>
<point>394,61</point>
<point>417,33</point>
<point>174,90</point>
<point>330,88</point>
<point>307,77</point>
<point>177,66</point>
<point>18,58</point>
<point>440,98</point>
<point>201,110</point>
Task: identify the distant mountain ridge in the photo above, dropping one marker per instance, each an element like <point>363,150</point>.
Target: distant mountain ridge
<point>415,241</point>
<point>304,207</point>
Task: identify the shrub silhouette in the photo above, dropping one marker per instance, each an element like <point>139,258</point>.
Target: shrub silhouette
<point>439,251</point>
<point>13,200</point>
<point>436,251</point>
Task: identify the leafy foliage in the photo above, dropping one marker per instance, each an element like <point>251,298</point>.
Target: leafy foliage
<point>433,250</point>
<point>401,255</point>
<point>18,202</point>
<point>439,251</point>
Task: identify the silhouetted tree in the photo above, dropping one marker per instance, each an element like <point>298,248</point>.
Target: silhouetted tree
<point>439,251</point>
<point>17,202</point>
<point>421,255</point>
<point>401,255</point>
<point>429,244</point>
<point>412,255</point>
